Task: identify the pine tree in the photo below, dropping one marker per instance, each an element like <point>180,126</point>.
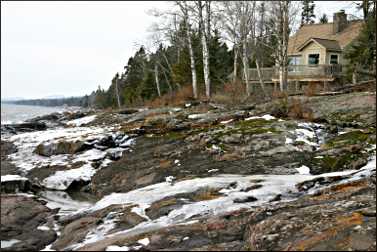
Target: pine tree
<point>324,19</point>
<point>307,14</point>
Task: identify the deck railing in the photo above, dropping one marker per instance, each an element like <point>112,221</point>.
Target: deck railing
<point>298,72</point>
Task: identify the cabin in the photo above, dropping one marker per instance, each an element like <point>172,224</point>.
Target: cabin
<point>315,52</point>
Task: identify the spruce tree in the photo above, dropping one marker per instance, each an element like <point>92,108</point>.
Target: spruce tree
<point>307,14</point>
<point>324,19</point>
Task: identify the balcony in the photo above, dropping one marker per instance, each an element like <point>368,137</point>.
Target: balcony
<point>299,73</point>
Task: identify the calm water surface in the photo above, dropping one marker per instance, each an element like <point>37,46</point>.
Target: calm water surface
<point>11,113</point>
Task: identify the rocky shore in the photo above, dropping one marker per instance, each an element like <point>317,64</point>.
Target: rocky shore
<point>296,174</point>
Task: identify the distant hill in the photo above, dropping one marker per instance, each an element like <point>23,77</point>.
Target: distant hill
<point>81,101</point>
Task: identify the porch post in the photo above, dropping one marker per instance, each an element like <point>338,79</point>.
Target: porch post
<point>297,86</point>
<point>325,87</point>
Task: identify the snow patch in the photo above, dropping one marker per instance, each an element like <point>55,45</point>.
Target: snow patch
<point>303,170</point>
<point>265,117</point>
<point>228,121</point>
<point>7,178</point>
<point>61,180</point>
<point>43,228</point>
<point>81,121</point>
<point>117,248</point>
<point>144,241</point>
<point>8,244</point>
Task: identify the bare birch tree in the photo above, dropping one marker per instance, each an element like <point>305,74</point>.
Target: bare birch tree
<point>230,25</point>
<point>185,11</point>
<point>284,15</point>
<point>204,14</point>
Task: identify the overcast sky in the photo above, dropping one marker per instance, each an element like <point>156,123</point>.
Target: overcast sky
<point>69,48</point>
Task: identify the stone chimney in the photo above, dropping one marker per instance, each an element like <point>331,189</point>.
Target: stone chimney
<point>339,21</point>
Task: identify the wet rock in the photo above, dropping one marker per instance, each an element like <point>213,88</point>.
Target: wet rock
<point>14,184</point>
<point>332,219</point>
<point>22,127</point>
<point>76,228</point>
<point>7,167</point>
<point>60,147</point>
<point>128,111</point>
<point>245,200</point>
<point>20,218</point>
<point>232,139</point>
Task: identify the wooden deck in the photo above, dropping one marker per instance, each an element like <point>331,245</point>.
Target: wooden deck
<point>299,73</point>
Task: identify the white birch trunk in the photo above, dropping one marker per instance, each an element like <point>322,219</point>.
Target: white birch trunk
<point>260,76</point>
<point>157,80</point>
<point>192,63</point>
<point>235,64</point>
<point>117,92</point>
<point>245,63</point>
<point>207,80</point>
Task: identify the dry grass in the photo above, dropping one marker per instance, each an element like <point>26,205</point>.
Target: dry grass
<point>178,97</point>
<point>299,110</point>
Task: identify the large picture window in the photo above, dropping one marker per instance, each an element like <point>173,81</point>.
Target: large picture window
<point>313,59</point>
<point>333,59</point>
<point>294,60</point>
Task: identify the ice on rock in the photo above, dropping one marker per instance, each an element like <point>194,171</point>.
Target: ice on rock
<point>271,185</point>
<point>61,180</point>
<point>8,244</point>
<point>7,178</point>
<point>117,248</point>
<point>82,121</point>
<point>288,140</point>
<point>169,179</point>
<point>144,241</point>
<point>265,117</point>
<point>303,170</point>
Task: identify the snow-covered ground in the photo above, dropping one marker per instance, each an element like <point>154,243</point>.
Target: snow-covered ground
<point>25,158</point>
<point>7,178</point>
<point>81,121</point>
<point>232,187</point>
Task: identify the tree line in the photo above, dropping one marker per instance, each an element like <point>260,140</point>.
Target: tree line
<point>202,45</point>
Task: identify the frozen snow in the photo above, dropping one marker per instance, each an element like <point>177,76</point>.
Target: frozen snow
<point>7,178</point>
<point>61,180</point>
<point>62,200</point>
<point>169,179</point>
<point>47,248</point>
<point>197,116</point>
<point>82,121</point>
<point>304,170</point>
<point>25,158</point>
<point>43,228</point>
<point>8,244</point>
<point>272,185</point>
<point>117,248</point>
<point>144,241</point>
<point>288,140</point>
<point>265,117</point>
<point>225,122</point>
<point>213,170</point>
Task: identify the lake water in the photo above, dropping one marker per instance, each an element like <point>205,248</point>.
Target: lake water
<point>11,113</point>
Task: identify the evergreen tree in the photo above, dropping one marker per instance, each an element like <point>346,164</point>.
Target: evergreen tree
<point>307,14</point>
<point>323,19</point>
<point>361,53</point>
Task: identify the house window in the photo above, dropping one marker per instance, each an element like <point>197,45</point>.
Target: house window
<point>294,60</point>
<point>313,59</point>
<point>333,59</point>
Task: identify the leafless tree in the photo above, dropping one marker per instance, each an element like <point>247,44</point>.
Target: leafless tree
<point>204,17</point>
<point>284,16</point>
